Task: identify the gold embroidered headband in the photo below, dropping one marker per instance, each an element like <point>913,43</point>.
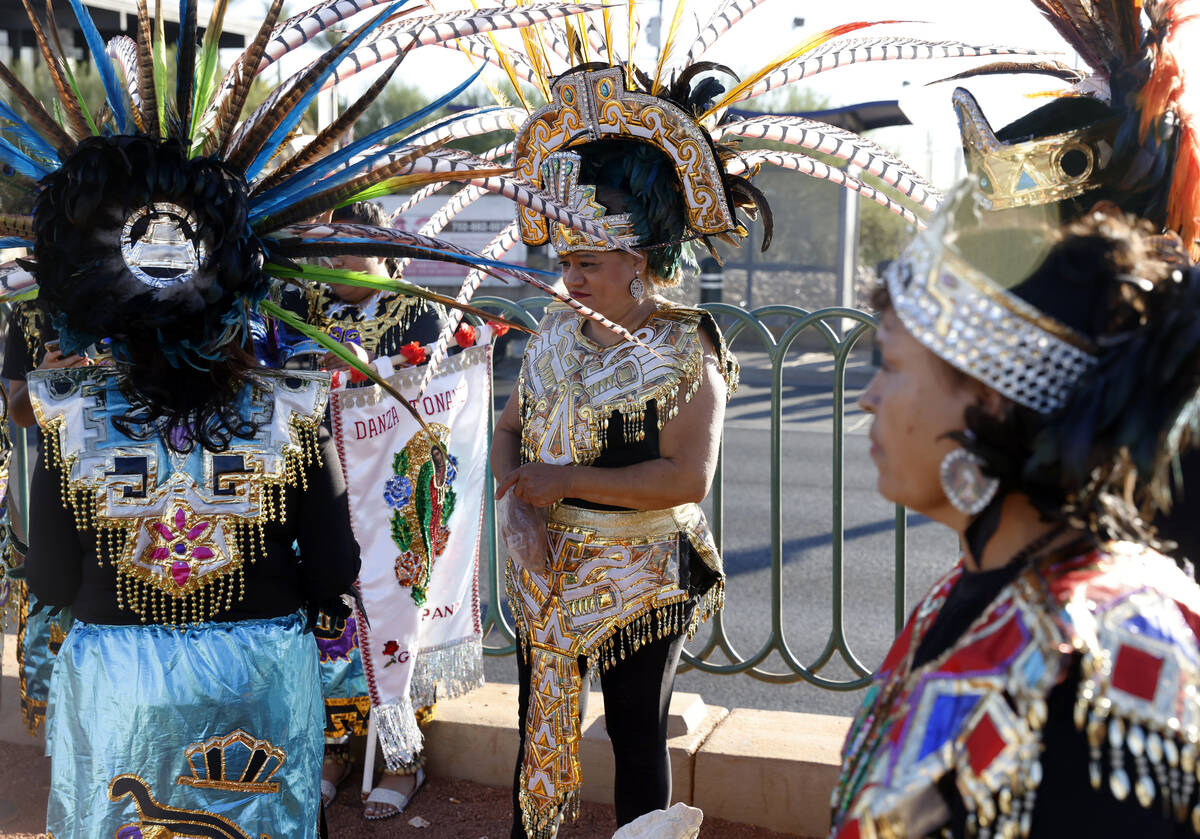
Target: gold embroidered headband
<point>591,105</point>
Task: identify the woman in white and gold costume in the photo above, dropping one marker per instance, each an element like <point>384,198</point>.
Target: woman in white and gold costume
<point>618,441</point>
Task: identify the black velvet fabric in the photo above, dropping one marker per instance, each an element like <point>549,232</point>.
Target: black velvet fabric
<point>1066,804</point>
<point>63,571</point>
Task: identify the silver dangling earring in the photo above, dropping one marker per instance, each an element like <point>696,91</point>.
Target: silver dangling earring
<point>637,288</point>
<point>964,483</point>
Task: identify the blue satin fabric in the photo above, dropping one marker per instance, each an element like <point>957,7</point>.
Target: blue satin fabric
<point>344,685</point>
<point>39,645</point>
<point>130,701</point>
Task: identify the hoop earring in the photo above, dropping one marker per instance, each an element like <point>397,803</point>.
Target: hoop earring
<point>964,483</point>
<point>637,288</point>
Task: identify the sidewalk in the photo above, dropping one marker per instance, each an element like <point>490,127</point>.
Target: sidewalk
<point>444,809</point>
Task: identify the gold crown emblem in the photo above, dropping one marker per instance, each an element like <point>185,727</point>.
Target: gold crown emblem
<point>1042,170</point>
<point>560,177</point>
<point>235,761</point>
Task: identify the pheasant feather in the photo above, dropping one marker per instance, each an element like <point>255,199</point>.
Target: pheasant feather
<point>67,93</point>
<point>145,70</point>
<point>743,89</point>
<point>38,115</point>
<point>839,143</point>
<point>243,77</point>
<point>822,171</point>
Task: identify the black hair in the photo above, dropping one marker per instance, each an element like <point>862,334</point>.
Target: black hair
<point>639,179</point>
<point>367,212</point>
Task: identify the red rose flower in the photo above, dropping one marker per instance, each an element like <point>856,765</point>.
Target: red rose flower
<point>465,335</point>
<point>414,353</point>
<point>390,648</point>
<point>498,329</point>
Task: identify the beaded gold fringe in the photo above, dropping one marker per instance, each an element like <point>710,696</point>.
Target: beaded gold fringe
<point>139,591</point>
<point>656,621</point>
<point>1166,759</point>
<point>541,824</point>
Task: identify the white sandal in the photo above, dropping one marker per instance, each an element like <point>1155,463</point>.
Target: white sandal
<point>392,798</point>
<point>329,789</point>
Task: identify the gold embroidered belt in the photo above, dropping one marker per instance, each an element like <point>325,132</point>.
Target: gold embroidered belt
<point>611,586</point>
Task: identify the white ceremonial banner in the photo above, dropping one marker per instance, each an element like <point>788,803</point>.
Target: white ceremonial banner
<point>417,517</point>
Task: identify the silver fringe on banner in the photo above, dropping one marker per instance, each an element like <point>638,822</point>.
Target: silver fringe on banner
<point>447,671</point>
<point>399,737</point>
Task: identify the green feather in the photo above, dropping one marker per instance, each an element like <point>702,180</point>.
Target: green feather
<point>315,273</point>
<point>294,321</point>
<point>209,63</point>
<point>160,67</point>
<point>79,95</point>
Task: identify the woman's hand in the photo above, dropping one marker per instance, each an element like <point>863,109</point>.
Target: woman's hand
<point>538,484</point>
<point>331,361</point>
<point>55,360</point>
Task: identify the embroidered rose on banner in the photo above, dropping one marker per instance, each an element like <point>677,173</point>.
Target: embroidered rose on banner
<point>397,492</point>
<point>421,493</point>
<point>394,654</point>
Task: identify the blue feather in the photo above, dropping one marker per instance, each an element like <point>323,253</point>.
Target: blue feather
<point>305,182</point>
<point>272,200</point>
<point>24,132</point>
<point>20,161</point>
<point>112,87</point>
<point>284,129</point>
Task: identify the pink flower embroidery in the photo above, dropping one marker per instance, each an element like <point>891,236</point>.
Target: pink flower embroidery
<point>179,545</point>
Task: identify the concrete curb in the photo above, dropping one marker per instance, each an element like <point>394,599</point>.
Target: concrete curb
<point>772,769</point>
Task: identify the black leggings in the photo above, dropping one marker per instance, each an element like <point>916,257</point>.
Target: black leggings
<point>637,699</point>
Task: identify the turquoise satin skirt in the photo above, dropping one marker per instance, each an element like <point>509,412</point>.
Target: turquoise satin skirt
<point>212,731</point>
<point>343,683</point>
<point>40,640</point>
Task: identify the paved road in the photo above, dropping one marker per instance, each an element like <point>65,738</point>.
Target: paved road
<point>807,597</point>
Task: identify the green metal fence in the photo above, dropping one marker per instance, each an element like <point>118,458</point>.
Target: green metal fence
<point>788,324</point>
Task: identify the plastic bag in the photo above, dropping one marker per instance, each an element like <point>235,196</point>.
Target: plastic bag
<point>523,529</point>
<point>679,822</point>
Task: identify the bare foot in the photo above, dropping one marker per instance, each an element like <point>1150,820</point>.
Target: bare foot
<point>403,784</point>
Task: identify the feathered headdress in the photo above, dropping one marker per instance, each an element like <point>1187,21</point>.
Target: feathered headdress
<point>165,216</point>
<point>673,147</point>
<point>1122,134</point>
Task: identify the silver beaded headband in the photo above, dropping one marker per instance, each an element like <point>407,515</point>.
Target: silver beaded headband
<point>993,336</point>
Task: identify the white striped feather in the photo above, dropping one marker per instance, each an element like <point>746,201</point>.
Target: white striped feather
<point>843,53</point>
<point>806,165</point>
<point>839,143</point>
<point>495,249</point>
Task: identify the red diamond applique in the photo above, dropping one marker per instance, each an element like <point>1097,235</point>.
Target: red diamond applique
<point>984,744</point>
<point>849,831</point>
<point>1136,672</point>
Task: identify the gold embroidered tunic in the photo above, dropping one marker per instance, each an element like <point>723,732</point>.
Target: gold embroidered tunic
<point>617,579</point>
<point>381,324</point>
